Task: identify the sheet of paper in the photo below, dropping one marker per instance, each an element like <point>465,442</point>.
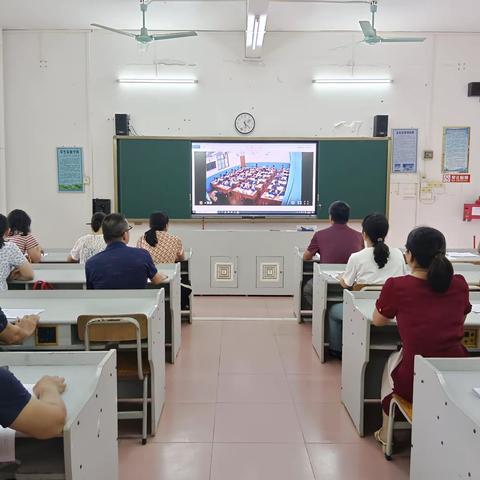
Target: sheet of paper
<point>333,275</point>
<point>14,313</point>
<point>7,445</point>
<point>461,254</point>
<point>476,308</point>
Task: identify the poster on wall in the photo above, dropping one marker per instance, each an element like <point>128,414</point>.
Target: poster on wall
<point>70,169</point>
<point>405,150</point>
<point>456,149</point>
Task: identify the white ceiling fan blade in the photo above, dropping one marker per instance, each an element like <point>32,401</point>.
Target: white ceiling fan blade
<point>168,36</point>
<point>367,29</point>
<point>403,40</point>
<point>114,30</point>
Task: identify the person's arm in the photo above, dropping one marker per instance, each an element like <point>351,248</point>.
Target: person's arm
<point>158,278</point>
<point>378,319</point>
<point>386,306</point>
<point>22,272</point>
<point>307,255</point>
<point>35,254</point>
<point>180,252</point>
<point>16,333</point>
<point>45,416</point>
<point>312,249</point>
<point>349,277</point>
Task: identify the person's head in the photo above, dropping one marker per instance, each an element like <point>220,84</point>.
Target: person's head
<point>97,220</point>
<point>158,223</point>
<point>19,222</point>
<point>115,228</point>
<point>339,212</point>
<point>426,249</point>
<point>375,229</point>
<point>3,229</point>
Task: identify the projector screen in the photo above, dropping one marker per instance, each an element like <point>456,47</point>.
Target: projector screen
<point>255,179</point>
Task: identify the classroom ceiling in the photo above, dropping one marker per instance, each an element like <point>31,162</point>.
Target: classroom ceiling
<point>230,15</point>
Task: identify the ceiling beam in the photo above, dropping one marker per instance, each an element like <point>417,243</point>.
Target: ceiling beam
<point>257,12</point>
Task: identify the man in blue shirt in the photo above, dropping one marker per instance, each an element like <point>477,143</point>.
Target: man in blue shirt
<point>42,416</point>
<point>120,266</point>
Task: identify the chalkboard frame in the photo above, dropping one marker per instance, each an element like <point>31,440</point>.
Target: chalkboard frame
<point>274,218</point>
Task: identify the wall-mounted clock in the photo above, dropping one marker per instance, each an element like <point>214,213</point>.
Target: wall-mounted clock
<point>245,123</point>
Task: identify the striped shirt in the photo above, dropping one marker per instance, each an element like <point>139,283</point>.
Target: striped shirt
<point>24,242</point>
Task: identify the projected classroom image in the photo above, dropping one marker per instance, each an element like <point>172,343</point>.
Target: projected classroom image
<point>256,178</point>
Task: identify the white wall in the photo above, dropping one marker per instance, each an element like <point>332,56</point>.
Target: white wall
<point>74,99</point>
<point>3,180</point>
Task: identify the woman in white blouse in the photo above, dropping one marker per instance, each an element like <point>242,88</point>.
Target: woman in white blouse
<point>371,266</point>
<point>91,244</point>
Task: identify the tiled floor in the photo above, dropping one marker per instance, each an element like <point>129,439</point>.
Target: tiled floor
<point>249,400</point>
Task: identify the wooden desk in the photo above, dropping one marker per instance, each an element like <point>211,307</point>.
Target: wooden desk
<point>89,448</point>
<point>446,420</point>
<point>366,349</point>
<point>57,330</point>
<point>71,276</point>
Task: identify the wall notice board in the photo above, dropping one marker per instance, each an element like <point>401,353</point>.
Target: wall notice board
<point>155,174</point>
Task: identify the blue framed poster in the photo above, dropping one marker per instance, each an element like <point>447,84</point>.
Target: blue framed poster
<point>70,169</point>
<point>405,148</point>
<point>456,149</point>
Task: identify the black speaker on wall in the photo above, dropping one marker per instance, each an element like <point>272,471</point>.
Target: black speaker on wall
<point>102,205</point>
<point>122,124</point>
<point>380,126</point>
<point>474,89</point>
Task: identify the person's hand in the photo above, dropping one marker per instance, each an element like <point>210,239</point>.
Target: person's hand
<point>47,383</point>
<point>28,322</point>
<point>15,274</point>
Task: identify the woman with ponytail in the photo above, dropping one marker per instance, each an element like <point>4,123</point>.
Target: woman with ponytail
<point>429,306</point>
<point>371,266</point>
<point>163,247</point>
<point>13,263</point>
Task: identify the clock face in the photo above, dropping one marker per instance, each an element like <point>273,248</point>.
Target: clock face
<point>245,123</point>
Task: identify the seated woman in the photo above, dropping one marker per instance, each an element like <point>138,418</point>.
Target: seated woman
<point>430,307</point>
<point>20,224</point>
<point>91,244</point>
<point>13,263</point>
<point>373,265</point>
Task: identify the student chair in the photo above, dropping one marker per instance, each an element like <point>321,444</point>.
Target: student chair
<point>405,408</point>
<point>132,364</point>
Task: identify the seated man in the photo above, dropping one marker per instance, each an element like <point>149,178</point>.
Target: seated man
<point>120,266</point>
<point>334,244</point>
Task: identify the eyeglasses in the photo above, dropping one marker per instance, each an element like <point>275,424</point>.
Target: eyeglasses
<point>128,229</point>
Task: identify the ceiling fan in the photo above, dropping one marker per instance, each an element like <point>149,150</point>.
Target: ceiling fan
<point>370,33</point>
<point>144,37</point>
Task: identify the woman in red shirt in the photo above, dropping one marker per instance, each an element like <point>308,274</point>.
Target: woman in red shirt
<point>430,307</point>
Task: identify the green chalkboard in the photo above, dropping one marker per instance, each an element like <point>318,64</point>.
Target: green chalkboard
<point>152,175</point>
<point>155,174</point>
<point>355,171</point>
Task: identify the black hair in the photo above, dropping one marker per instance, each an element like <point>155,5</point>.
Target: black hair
<point>19,222</point>
<point>375,226</point>
<point>114,226</point>
<point>97,220</point>
<point>428,248</point>
<point>3,229</point>
<point>158,223</point>
<point>339,212</point>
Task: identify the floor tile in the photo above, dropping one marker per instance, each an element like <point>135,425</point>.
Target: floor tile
<point>292,327</point>
<point>247,360</point>
<point>260,462</point>
<point>256,423</point>
<point>186,422</point>
<point>311,388</point>
<point>326,423</point>
<point>362,461</point>
<point>164,461</point>
<point>197,389</point>
<point>253,389</point>
<point>281,307</point>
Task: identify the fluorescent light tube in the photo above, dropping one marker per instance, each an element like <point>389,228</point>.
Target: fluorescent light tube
<point>255,30</point>
<point>158,80</point>
<point>351,80</point>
